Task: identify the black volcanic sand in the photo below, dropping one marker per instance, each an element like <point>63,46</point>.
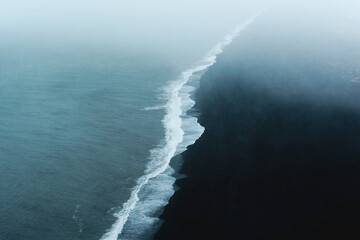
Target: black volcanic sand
<point>280,156</point>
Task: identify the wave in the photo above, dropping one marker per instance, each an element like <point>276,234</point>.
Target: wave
<point>79,221</point>
<point>155,187</point>
<point>154,108</point>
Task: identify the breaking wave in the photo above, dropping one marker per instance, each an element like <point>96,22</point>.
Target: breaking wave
<point>155,187</point>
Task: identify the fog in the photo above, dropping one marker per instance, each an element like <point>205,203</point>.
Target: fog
<point>296,58</point>
<point>171,27</point>
<point>177,27</point>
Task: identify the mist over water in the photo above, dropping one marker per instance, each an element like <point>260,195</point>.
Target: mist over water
<point>88,89</point>
<point>175,29</point>
<point>75,78</point>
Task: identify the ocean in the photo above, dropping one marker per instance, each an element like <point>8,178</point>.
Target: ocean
<point>100,105</point>
<point>87,135</point>
<point>75,137</point>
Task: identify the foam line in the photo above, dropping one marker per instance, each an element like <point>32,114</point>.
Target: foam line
<point>176,123</point>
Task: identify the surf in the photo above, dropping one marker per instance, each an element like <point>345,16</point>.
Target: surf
<point>153,190</point>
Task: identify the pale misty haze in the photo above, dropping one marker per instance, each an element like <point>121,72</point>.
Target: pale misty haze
<point>167,27</point>
<point>106,106</point>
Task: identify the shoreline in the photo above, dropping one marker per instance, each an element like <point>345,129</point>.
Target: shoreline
<point>181,130</point>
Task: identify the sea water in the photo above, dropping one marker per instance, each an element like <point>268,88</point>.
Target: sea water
<point>74,138</point>
<point>86,137</point>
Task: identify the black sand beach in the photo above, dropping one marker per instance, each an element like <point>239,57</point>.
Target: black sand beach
<point>280,156</point>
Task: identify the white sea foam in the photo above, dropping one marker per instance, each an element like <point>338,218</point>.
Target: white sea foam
<point>79,221</point>
<point>154,108</point>
<point>154,188</point>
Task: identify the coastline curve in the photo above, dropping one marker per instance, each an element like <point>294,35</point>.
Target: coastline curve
<point>155,187</point>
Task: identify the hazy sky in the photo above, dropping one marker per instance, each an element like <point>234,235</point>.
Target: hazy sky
<point>157,24</point>
<point>154,25</point>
